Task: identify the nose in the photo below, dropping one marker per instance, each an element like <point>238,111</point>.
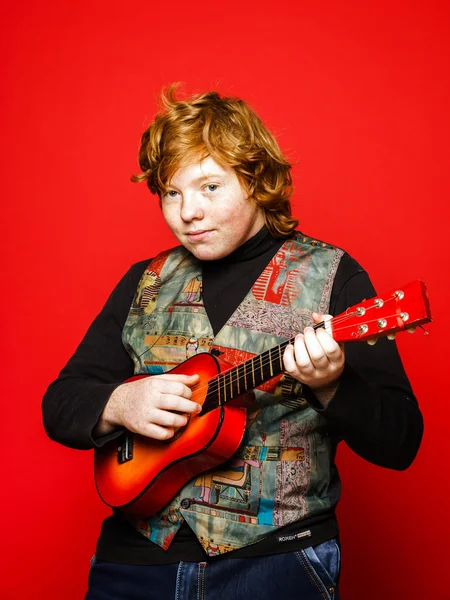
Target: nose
<point>191,207</point>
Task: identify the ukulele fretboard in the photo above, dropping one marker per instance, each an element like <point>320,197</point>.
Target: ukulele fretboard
<point>246,376</point>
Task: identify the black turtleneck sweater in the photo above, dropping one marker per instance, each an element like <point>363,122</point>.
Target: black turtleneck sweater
<point>373,410</point>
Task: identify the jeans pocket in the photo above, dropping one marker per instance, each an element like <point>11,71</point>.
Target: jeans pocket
<point>323,564</point>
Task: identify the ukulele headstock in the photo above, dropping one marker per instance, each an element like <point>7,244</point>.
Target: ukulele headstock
<point>402,309</point>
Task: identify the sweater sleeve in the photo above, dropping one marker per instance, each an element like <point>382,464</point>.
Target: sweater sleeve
<point>74,402</point>
<point>374,409</point>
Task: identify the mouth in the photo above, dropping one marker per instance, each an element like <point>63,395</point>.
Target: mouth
<point>198,235</point>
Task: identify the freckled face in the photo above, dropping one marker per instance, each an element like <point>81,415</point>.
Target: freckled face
<point>207,209</point>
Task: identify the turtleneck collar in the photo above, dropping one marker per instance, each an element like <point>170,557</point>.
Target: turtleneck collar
<point>257,245</point>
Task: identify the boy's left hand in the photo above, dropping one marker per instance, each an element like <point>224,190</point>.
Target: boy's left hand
<point>315,359</point>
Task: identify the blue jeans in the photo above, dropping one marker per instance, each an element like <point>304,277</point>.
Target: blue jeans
<point>310,574</point>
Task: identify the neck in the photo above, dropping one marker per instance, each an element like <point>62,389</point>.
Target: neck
<point>247,376</point>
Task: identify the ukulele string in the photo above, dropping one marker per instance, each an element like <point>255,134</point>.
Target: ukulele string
<point>344,316</point>
<point>367,322</point>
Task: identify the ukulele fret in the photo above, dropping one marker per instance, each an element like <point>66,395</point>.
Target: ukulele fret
<point>248,373</point>
<point>218,393</point>
<point>267,367</point>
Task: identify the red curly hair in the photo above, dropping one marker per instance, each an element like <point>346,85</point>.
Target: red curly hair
<point>228,130</point>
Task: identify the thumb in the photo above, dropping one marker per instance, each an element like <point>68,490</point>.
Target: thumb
<point>318,318</point>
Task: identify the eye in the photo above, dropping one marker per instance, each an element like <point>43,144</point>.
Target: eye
<point>171,193</point>
<point>211,187</point>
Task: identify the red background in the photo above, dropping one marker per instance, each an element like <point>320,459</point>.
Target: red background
<point>358,95</point>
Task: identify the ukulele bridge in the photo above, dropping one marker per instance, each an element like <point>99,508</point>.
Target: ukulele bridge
<point>125,445</point>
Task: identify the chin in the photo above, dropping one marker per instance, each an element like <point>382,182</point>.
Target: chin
<point>208,253</point>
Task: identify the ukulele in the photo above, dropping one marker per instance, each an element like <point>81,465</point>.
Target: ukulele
<point>141,475</point>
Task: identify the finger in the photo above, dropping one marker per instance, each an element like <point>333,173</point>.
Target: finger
<point>168,386</point>
<point>189,380</point>
<point>168,419</point>
<point>318,318</point>
<point>171,402</point>
<point>314,348</point>
<point>329,345</point>
<point>301,354</point>
<point>157,432</point>
<point>289,359</point>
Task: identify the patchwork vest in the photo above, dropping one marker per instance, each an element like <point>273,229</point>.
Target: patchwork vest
<point>284,469</point>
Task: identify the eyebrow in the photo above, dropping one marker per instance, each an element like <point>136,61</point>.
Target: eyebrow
<point>208,176</point>
<point>202,178</point>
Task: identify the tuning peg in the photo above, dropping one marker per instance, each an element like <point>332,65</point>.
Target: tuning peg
<point>391,336</point>
<point>372,342</point>
<point>411,329</point>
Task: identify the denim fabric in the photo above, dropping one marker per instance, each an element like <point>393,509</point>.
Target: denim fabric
<point>310,574</point>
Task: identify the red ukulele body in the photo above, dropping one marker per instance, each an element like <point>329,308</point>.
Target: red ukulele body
<point>141,475</point>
